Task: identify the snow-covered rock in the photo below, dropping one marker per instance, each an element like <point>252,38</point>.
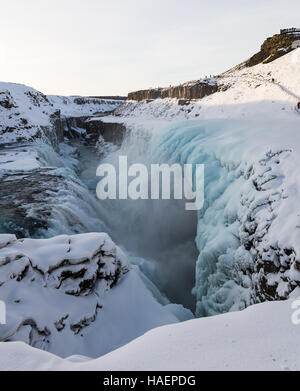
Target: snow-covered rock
<point>74,295</point>
<point>26,114</point>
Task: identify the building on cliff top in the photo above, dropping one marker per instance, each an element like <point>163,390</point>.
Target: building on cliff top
<point>291,32</point>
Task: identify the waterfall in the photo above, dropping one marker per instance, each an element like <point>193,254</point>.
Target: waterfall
<point>190,256</point>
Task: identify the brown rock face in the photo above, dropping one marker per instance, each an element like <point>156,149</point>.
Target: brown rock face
<point>273,48</point>
<point>112,132</point>
<point>194,90</point>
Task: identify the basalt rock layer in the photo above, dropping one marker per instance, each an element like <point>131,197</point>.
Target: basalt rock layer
<point>191,90</point>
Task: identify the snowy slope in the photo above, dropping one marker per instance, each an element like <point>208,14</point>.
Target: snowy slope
<point>24,113</point>
<point>262,337</point>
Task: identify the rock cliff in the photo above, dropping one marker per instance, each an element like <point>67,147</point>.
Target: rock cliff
<point>190,90</point>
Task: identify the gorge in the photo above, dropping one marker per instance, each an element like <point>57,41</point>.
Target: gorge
<point>146,263</point>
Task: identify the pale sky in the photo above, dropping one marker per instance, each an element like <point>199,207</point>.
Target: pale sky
<point>112,47</point>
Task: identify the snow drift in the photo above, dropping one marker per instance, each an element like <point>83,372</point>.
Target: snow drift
<point>262,337</point>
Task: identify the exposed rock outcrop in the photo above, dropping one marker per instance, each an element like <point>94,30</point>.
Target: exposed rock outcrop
<point>191,90</point>
<point>111,132</point>
<point>273,48</point>
<point>93,128</point>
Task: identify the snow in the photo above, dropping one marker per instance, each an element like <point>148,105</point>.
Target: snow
<point>262,337</point>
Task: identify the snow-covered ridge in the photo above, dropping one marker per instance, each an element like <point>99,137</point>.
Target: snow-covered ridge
<point>243,93</point>
<point>76,106</point>
<point>27,114</point>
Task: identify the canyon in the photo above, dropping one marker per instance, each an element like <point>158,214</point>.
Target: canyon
<point>147,263</point>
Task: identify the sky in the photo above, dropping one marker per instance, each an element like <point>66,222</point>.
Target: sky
<point>112,47</point>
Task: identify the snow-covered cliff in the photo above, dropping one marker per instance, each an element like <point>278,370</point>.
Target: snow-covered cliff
<point>27,114</point>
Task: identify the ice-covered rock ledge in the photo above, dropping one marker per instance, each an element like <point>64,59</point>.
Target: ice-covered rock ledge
<point>74,295</point>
